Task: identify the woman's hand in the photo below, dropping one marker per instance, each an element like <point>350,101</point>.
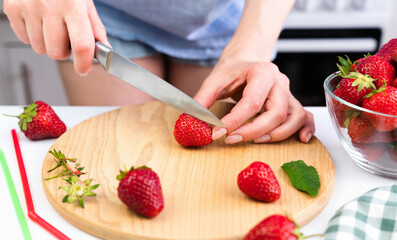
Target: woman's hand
<point>53,27</point>
<point>261,91</point>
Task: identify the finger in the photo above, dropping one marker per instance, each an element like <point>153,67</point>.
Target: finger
<point>207,95</point>
<point>19,28</point>
<point>297,117</point>
<point>82,41</point>
<point>252,101</point>
<point>97,25</point>
<point>308,130</point>
<point>276,110</point>
<point>34,28</point>
<point>56,38</point>
<point>16,20</point>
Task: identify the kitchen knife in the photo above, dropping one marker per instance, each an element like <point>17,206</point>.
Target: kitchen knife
<point>149,83</point>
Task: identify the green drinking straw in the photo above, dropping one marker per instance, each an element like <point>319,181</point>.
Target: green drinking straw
<point>14,196</point>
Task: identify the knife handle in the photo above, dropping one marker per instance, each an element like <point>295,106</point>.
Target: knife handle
<point>103,54</point>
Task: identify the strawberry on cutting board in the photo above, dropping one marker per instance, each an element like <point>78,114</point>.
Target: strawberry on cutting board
<point>192,132</point>
<point>39,121</point>
<point>140,190</point>
<point>259,182</point>
<point>275,227</point>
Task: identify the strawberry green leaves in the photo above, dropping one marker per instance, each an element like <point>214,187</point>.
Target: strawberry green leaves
<point>303,177</point>
<point>69,165</point>
<point>78,189</point>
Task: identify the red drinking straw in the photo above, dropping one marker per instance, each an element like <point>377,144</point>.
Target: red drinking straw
<point>28,196</point>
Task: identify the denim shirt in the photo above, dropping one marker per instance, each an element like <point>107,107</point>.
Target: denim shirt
<point>189,29</point>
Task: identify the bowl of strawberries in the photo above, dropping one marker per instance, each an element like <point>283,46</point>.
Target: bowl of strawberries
<point>362,101</point>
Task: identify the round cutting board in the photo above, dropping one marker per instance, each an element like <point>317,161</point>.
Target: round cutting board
<point>201,196</point>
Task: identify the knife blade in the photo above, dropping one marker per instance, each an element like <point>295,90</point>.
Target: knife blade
<point>142,79</point>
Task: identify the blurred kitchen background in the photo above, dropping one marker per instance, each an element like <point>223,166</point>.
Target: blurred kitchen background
<point>316,32</point>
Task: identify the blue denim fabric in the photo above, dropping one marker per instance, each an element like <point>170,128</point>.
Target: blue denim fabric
<point>183,29</point>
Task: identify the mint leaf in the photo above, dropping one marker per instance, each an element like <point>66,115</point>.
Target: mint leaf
<point>303,177</point>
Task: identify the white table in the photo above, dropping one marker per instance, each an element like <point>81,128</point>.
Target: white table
<point>350,180</point>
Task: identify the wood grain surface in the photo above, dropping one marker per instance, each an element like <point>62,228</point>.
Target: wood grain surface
<point>201,196</point>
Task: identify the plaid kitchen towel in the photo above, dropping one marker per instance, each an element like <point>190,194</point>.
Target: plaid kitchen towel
<point>372,216</point>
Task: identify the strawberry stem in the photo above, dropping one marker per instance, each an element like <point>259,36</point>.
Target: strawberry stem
<point>58,175</point>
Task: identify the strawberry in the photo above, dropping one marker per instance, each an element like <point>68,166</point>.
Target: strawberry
<point>384,100</point>
<point>339,111</point>
<point>192,132</point>
<point>354,64</point>
<point>361,130</point>
<point>371,151</point>
<point>39,121</point>
<point>388,52</point>
<point>377,68</point>
<point>259,182</point>
<point>353,87</point>
<point>140,190</point>
<point>275,227</point>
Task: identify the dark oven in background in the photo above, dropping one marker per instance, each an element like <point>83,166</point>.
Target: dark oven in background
<point>307,68</point>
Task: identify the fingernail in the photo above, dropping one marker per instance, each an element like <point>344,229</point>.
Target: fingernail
<point>233,139</point>
<point>108,44</point>
<point>219,133</point>
<point>262,139</point>
<point>83,74</point>
<point>308,137</point>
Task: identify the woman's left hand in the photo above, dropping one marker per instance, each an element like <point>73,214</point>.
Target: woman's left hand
<point>262,92</point>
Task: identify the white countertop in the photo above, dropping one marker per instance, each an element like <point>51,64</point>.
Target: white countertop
<point>350,180</point>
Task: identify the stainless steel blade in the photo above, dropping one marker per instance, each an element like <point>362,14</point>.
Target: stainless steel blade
<point>149,83</point>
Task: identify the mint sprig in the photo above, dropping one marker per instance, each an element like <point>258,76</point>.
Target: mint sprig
<point>304,178</point>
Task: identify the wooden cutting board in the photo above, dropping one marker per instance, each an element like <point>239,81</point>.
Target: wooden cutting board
<point>201,197</point>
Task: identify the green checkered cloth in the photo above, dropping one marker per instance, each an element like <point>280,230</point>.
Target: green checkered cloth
<point>372,216</point>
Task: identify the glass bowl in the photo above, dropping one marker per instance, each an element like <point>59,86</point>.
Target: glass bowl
<point>373,150</point>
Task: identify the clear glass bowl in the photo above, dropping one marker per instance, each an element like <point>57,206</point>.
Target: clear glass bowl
<point>377,156</point>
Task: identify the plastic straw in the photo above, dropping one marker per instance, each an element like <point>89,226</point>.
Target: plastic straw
<point>14,196</point>
<point>28,196</point>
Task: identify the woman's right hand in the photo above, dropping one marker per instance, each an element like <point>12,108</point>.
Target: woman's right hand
<point>53,27</point>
